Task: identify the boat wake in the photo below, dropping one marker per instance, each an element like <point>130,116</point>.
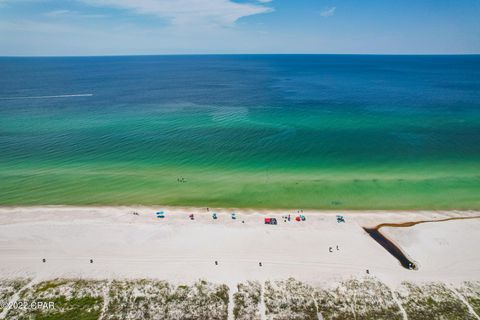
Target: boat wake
<point>49,97</point>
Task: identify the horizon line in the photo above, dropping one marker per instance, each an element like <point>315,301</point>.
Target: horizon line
<point>239,54</point>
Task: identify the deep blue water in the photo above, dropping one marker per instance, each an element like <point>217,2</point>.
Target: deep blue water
<point>287,81</point>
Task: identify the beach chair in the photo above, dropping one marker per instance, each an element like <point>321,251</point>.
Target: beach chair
<point>234,216</point>
<point>160,214</point>
<point>214,216</point>
<point>340,219</point>
<point>192,217</point>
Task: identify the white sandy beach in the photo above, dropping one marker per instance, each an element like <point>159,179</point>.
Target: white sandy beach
<point>123,245</point>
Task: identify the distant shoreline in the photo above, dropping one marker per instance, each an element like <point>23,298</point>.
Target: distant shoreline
<point>243,54</point>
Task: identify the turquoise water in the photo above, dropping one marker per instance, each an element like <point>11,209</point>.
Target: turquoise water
<point>379,132</point>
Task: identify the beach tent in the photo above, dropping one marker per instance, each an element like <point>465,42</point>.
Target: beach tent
<point>270,221</point>
<point>214,216</point>
<point>192,217</point>
<point>297,218</point>
<point>303,217</point>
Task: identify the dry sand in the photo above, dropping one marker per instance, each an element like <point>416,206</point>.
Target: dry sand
<point>124,245</point>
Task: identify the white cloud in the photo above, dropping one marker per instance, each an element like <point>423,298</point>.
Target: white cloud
<point>71,14</point>
<point>186,12</point>
<point>56,13</point>
<point>328,12</point>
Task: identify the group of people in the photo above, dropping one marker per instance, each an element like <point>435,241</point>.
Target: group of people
<point>45,260</point>
<point>330,249</point>
<point>259,264</point>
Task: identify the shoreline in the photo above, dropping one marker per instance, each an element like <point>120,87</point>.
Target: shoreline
<point>246,209</point>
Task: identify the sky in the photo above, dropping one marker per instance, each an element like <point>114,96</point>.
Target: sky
<point>134,27</point>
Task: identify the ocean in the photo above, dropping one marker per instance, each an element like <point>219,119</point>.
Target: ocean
<point>259,131</point>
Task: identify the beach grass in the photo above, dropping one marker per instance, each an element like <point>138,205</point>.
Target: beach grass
<point>69,299</point>
<point>432,301</point>
<point>289,299</point>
